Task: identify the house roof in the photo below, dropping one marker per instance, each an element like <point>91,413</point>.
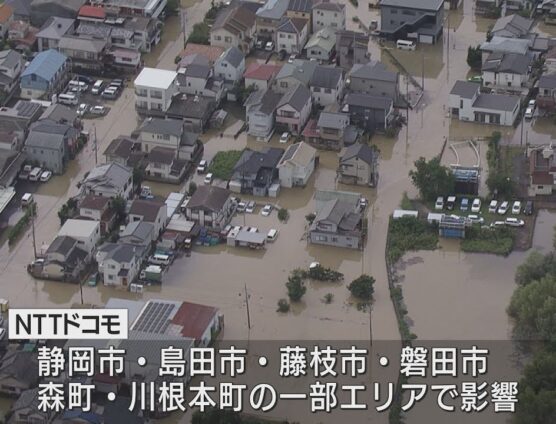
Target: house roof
<point>210,52</point>
<point>326,77</point>
<point>6,12</point>
<point>47,134</point>
<point>233,56</point>
<point>291,25</point>
<point>235,19</point>
<point>548,81</point>
<point>55,27</point>
<point>273,9</point>
<point>465,89</point>
<point>512,25</point>
<point>304,6</point>
<point>82,43</point>
<point>46,64</point>
<point>506,45</point>
<point>149,345</point>
<point>209,197</point>
<point>333,120</point>
<point>300,154</point>
<point>111,174</point>
<point>261,71</point>
<point>62,245</point>
<point>265,100</point>
<point>78,228</point>
<point>296,97</point>
<point>324,38</point>
<point>21,7</point>
<point>252,161</point>
<point>374,70</point>
<point>339,213</point>
<point>73,5</point>
<point>512,63</point>
<point>347,38</point>
<point>329,5</point>
<point>368,101</point>
<point>121,147</point>
<point>21,365</point>
<point>138,230</point>
<point>148,209</point>
<point>60,114</point>
<point>195,58</point>
<point>301,70</point>
<point>155,78</point>
<point>195,70</point>
<point>164,155</point>
<point>91,201</point>
<point>497,102</point>
<point>194,107</point>
<point>10,58</point>
<point>359,151</point>
<point>88,11</point>
<point>163,126</point>
<point>122,252</point>
<point>415,4</point>
<point>194,319</point>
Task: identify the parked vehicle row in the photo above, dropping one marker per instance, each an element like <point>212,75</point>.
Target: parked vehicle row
<point>34,174</point>
<point>494,206</point>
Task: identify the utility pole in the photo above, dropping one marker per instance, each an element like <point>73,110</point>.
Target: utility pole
<point>423,72</point>
<point>247,308</point>
<point>407,110</point>
<point>96,145</point>
<point>184,25</point>
<point>448,51</point>
<point>522,125</point>
<point>33,207</point>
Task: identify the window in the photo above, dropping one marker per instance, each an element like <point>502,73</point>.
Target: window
<point>282,35</point>
<point>393,11</point>
<point>461,104</point>
<point>316,89</point>
<point>283,84</point>
<point>409,12</point>
<point>217,37</point>
<point>290,36</point>
<point>228,39</point>
<point>327,90</point>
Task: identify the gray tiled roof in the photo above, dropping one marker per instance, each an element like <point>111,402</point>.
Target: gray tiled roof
<point>197,71</point>
<point>332,120</point>
<point>360,151</point>
<point>291,25</point>
<point>515,25</point>
<point>297,97</point>
<point>373,70</point>
<point>465,89</point>
<point>273,9</point>
<point>507,62</point>
<point>302,70</point>
<point>112,174</point>
<point>122,253</point>
<point>368,101</point>
<point>209,197</point>
<point>86,44</point>
<point>55,27</point>
<point>329,5</point>
<point>497,102</point>
<point>233,56</point>
<point>548,81</point>
<point>300,5</point>
<point>61,245</point>
<point>414,4</point>
<point>163,155</point>
<point>326,77</point>
<point>9,58</point>
<point>163,126</point>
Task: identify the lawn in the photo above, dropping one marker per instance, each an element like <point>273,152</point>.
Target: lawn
<point>499,241</point>
<point>223,164</point>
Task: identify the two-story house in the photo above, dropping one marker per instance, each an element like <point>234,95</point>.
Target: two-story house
<point>376,79</point>
<point>153,211</point>
<point>327,85</point>
<point>234,26</point>
<point>293,74</point>
<point>321,45</point>
<point>255,172</point>
<point>120,265</point>
<point>172,134</point>
<point>358,165</point>
<point>86,52</point>
<point>291,34</point>
<point>64,260</point>
<point>509,70</point>
<point>198,80</point>
<point>230,66</point>
<point>211,207</point>
<point>260,75</point>
<point>110,180</point>
<point>332,131</point>
<point>98,208</point>
<point>300,9</point>
<point>368,112</point>
<point>86,232</point>
<point>154,90</point>
<point>297,165</point>
<point>11,65</point>
<point>46,74</point>
<point>268,18</point>
<point>329,14</point>
<point>260,110</point>
<point>422,19</point>
<point>52,31</point>
<point>546,99</point>
<point>352,47</point>
<point>164,165</point>
<point>294,108</point>
<point>512,26</point>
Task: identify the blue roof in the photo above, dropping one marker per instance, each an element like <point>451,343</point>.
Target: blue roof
<point>46,64</point>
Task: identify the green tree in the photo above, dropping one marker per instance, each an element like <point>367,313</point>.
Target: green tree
<point>192,188</point>
<point>296,287</point>
<point>200,34</point>
<point>283,306</point>
<point>535,267</point>
<point>138,176</point>
<point>474,57</point>
<point>283,214</point>
<point>118,206</point>
<point>310,217</point>
<point>172,7</point>
<point>432,179</point>
<point>362,287</point>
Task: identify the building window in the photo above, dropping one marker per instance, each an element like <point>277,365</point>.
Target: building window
<point>461,104</point>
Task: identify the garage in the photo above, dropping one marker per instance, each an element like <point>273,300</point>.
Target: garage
<point>426,39</point>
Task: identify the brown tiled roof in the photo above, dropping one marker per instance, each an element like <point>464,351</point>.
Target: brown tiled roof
<point>542,178</point>
<point>94,202</point>
<point>194,319</point>
<point>210,52</point>
<point>235,20</point>
<point>6,13</point>
<point>262,71</point>
<point>209,197</point>
<point>148,209</point>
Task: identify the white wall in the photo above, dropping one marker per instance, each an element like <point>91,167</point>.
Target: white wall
<point>504,79</point>
<point>322,18</point>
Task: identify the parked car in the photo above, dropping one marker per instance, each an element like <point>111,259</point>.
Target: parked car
<point>45,176</point>
<point>93,279</point>
<point>464,205</point>
<point>503,208</point>
<point>98,110</point>
<point>82,109</point>
<point>26,200</point>
<point>284,137</point>
<point>2,333</point>
<point>241,207</point>
<point>266,210</point>
<point>208,178</point>
<point>272,234</point>
<point>250,208</point>
<point>516,208</point>
<point>476,78</point>
<point>439,204</point>
<point>532,104</point>
<point>35,174</point>
<point>496,224</point>
<point>253,229</point>
<point>476,206</point>
<point>529,208</point>
<point>269,46</point>
<point>259,44</point>
<point>110,93</point>
<point>493,206</point>
<point>202,168</point>
<point>363,203</point>
<point>451,203</point>
<point>24,173</point>
<point>292,58</point>
<point>97,87</point>
<point>515,222</point>
<point>85,79</point>
<point>476,219</point>
<point>529,113</point>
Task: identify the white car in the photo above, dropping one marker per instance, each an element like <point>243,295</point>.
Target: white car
<point>439,204</point>
<point>269,46</point>
<point>241,207</point>
<point>284,137</point>
<point>503,208</point>
<point>516,208</point>
<point>98,110</point>
<point>202,168</point>
<point>45,176</point>
<point>492,206</point>
<point>476,219</point>
<point>208,178</point>
<point>498,224</point>
<point>314,265</point>
<point>250,206</point>
<point>266,210</point>
<point>514,222</point>
<point>82,109</point>
<point>532,104</point>
<point>529,113</point>
<point>292,58</point>
<point>476,206</point>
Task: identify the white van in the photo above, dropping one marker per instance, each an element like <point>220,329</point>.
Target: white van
<point>26,199</point>
<point>272,234</point>
<point>97,87</point>
<point>160,259</point>
<point>405,45</point>
<point>68,99</point>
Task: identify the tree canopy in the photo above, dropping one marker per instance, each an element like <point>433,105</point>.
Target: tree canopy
<point>432,179</point>
<point>362,287</point>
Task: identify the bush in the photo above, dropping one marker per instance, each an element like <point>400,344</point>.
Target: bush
<point>15,231</point>
<point>192,188</point>
<point>499,241</point>
<point>222,166</point>
<point>474,57</point>
<point>296,287</point>
<point>407,234</point>
<point>362,287</point>
<point>406,203</point>
<point>310,217</point>
<point>283,306</point>
<point>535,267</point>
<point>283,214</point>
<point>432,179</point>
<point>328,298</point>
<point>177,59</point>
<point>200,34</point>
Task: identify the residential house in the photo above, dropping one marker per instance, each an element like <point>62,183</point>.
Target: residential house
<point>230,66</point>
<point>19,371</point>
<point>301,9</point>
<point>21,8</point>
<point>327,85</point>
<point>22,35</point>
<point>86,53</point>
<point>6,17</point>
<point>41,10</point>
<point>376,79</point>
<point>329,14</point>
<point>194,110</point>
<point>255,172</point>
<point>87,233</point>
<point>25,410</point>
<point>11,65</point>
<point>89,13</point>
<point>198,80</point>
<point>268,18</point>
<point>297,165</point>
<point>504,45</point>
<point>98,208</point>
<point>337,223</point>
<point>467,103</point>
<point>46,74</point>
<point>421,19</point>
<point>294,108</point>
<point>234,26</point>
<point>351,48</point>
<point>542,170</point>
<point>260,75</point>
<point>110,180</point>
<point>152,211</point>
<point>61,115</point>
<point>210,207</point>
<point>172,134</point>
<point>146,32</point>
<point>332,131</point>
<point>291,35</point>
<point>293,74</point>
<point>53,30</point>
<point>51,144</point>
<point>198,322</point>
<point>359,165</point>
<point>140,234</point>
<point>124,150</point>
<point>368,112</point>
<point>154,90</point>
<point>546,99</point>
<point>512,26</point>
<point>120,265</point>
<point>211,53</point>
<point>260,109</point>
<point>321,45</point>
<point>64,260</point>
<point>18,118</point>
<point>509,70</point>
<point>150,9</point>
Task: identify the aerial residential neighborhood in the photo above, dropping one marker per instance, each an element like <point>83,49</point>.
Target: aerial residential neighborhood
<point>223,170</point>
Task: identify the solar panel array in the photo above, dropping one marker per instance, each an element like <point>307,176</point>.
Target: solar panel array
<point>155,318</point>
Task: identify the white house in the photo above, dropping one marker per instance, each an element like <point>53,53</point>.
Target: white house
<point>119,264</point>
<point>260,110</point>
<point>294,109</point>
<point>506,70</point>
<point>467,103</point>
<point>154,89</point>
<point>327,85</point>
<point>152,211</point>
<point>291,34</point>
<point>329,14</point>
<point>109,180</point>
<point>234,26</point>
<point>87,233</point>
<point>321,45</point>
<point>230,66</point>
<point>297,165</point>
<point>260,75</point>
